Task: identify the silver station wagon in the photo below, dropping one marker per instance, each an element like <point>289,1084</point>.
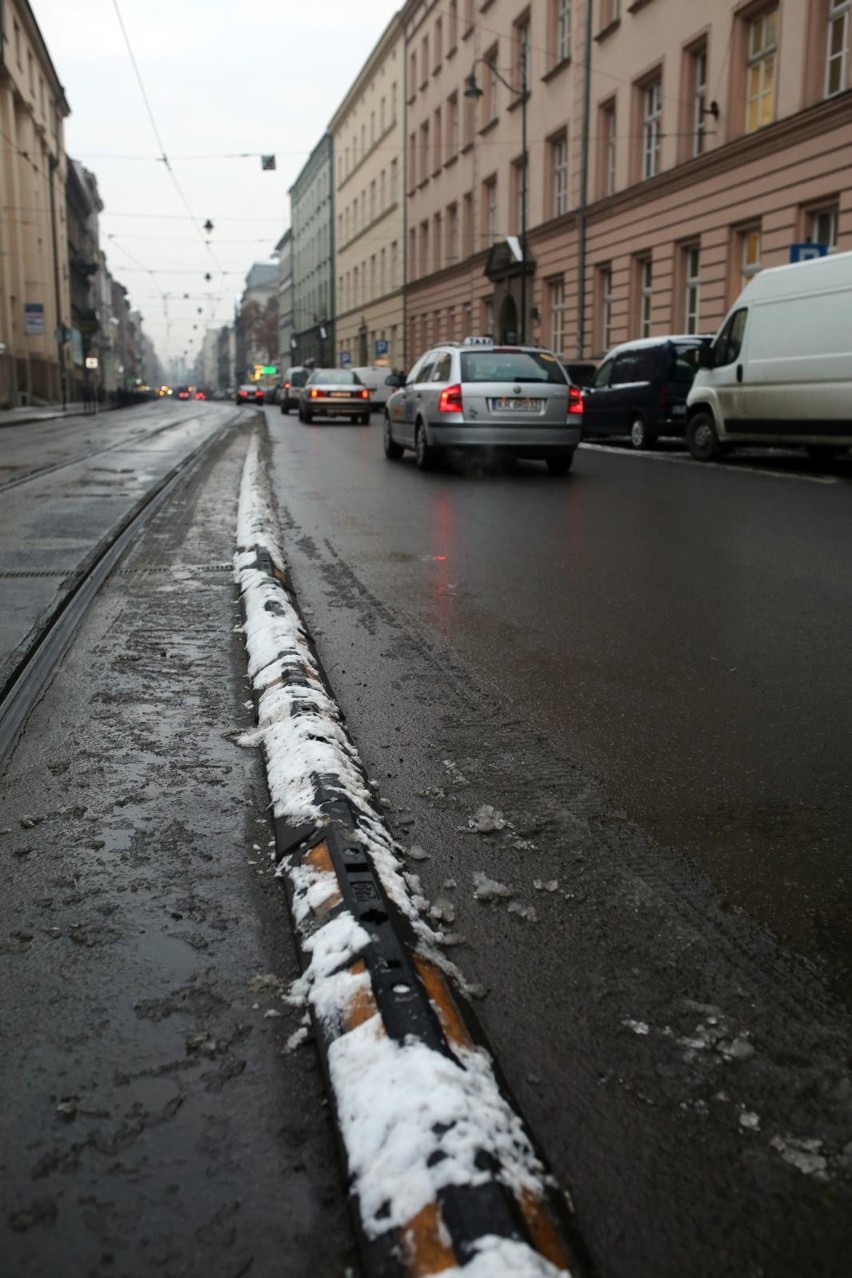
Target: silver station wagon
<point>510,400</point>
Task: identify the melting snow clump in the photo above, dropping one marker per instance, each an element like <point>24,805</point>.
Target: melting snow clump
<point>485,889</point>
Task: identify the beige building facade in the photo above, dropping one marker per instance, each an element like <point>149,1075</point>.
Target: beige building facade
<point>367,134</point>
<point>673,149</point>
<point>34,298</point>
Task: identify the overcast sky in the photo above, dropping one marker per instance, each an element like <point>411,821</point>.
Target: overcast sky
<point>222,79</point>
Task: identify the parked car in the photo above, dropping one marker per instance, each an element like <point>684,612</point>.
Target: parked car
<point>778,372</point>
<point>183,392</point>
<point>334,392</point>
<point>292,382</point>
<point>375,378</point>
<point>640,389</point>
<point>512,400</point>
<point>249,394</point>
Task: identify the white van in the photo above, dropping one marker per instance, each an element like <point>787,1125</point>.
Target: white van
<point>779,371</point>
<point>373,377</point>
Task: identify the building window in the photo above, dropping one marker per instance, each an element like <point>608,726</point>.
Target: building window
<point>424,151</point>
<point>522,51</point>
<point>488,316</point>
<point>394,264</point>
<point>489,210</point>
<point>394,183</point>
<point>644,281</point>
<point>749,240</point>
<point>559,174</point>
<point>698,94</point>
<point>691,283</point>
<point>519,177</point>
<point>607,147</point>
<point>453,125</point>
<point>437,140</point>
<point>439,44</point>
<point>492,86</point>
<point>760,76</point>
<point>561,25</point>
<point>424,61</point>
<point>467,226</point>
<point>610,12</point>
<point>437,243</point>
<point>373,206</point>
<point>652,117</point>
<point>412,74</point>
<point>452,25</point>
<point>556,307</point>
<point>822,226</point>
<point>837,47</point>
<point>452,233</point>
<point>605,302</point>
<point>424,248</point>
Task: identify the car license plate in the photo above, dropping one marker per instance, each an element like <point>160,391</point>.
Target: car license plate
<point>522,404</point>
<point>340,394</point>
<point>678,410</point>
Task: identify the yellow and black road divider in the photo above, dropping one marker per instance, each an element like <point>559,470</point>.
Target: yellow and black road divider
<point>491,1207</point>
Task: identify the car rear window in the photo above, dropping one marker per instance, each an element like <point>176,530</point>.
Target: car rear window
<point>336,377</point>
<point>298,377</point>
<point>511,366</point>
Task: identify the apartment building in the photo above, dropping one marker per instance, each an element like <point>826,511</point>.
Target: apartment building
<point>312,279</point>
<point>672,150</point>
<point>34,301</point>
<point>367,134</point>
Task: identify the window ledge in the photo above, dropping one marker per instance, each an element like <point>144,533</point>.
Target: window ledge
<point>637,5</point>
<point>487,128</point>
<point>468,146</point>
<point>467,33</point>
<point>454,159</point>
<point>451,53</point>
<point>555,70</point>
<point>606,32</point>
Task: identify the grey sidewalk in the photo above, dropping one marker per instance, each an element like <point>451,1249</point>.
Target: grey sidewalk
<point>21,416</point>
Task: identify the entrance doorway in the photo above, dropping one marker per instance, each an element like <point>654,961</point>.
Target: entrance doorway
<point>508,323</point>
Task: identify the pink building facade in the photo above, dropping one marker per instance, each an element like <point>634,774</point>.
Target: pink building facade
<point>673,148</point>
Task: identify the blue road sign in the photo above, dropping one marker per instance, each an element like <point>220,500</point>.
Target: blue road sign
<point>806,252</point>
<point>381,346</point>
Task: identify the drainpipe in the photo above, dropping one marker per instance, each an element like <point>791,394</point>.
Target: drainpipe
<point>584,185</point>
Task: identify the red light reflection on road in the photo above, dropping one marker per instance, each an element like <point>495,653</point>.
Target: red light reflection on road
<point>446,562</point>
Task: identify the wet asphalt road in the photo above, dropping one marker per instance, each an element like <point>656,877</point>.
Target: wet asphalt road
<point>521,642</point>
<point>682,630</point>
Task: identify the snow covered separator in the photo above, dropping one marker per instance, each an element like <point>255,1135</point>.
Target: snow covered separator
<point>443,1174</point>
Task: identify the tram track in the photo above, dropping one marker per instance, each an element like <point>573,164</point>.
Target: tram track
<point>39,472</point>
<point>56,629</point>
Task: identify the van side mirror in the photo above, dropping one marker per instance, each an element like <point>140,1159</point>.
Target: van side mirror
<point>706,356</point>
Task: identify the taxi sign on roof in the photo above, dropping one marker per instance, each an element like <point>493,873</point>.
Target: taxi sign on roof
<point>485,340</point>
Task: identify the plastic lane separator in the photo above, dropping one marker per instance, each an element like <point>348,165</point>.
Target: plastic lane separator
<point>444,1176</point>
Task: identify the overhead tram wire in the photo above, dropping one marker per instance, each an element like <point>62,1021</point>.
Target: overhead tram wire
<point>163,156</point>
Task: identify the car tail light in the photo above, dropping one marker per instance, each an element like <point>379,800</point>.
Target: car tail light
<point>450,400</point>
<point>575,401</point>
<point>663,399</point>
<point>286,385</point>
<point>365,394</point>
<point>314,392</point>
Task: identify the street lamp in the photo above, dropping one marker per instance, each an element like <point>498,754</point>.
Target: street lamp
<point>472,90</point>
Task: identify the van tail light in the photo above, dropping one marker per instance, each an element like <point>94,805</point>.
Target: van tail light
<point>663,399</point>
<point>450,400</point>
<point>575,401</point>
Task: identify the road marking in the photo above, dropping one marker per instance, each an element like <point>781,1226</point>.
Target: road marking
<point>650,455</point>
